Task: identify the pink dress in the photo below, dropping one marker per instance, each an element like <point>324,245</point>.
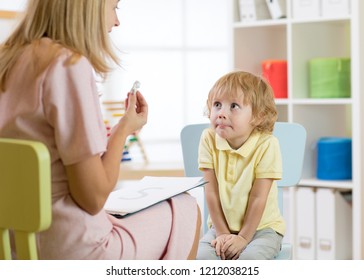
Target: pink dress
<point>61,109</point>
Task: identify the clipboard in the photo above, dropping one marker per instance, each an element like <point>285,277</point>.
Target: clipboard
<point>147,192</point>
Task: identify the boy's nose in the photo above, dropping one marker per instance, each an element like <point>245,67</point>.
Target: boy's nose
<point>222,114</point>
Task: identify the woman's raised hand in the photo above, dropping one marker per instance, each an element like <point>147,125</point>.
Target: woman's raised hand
<point>136,112</point>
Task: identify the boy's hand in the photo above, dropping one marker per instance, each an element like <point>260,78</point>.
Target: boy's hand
<point>233,246</point>
<point>218,244</point>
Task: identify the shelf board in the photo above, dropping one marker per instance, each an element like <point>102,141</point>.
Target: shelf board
<point>282,101</point>
<point>320,19</point>
<point>322,101</point>
<point>333,184</point>
<point>278,22</point>
<point>314,101</point>
<point>260,23</point>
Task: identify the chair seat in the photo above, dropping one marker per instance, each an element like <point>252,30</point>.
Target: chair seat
<point>285,253</point>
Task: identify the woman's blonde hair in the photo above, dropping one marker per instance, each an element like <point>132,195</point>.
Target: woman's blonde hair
<point>254,90</point>
<point>78,25</point>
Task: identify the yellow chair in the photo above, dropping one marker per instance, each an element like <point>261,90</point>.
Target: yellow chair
<point>25,196</point>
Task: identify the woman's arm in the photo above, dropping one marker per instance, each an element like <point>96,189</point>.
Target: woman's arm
<point>92,180</point>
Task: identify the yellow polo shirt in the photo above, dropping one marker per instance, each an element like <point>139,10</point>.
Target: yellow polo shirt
<point>236,170</point>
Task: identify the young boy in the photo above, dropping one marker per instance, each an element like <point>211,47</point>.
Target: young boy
<point>241,160</point>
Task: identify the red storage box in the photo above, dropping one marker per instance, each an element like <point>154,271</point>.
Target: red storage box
<point>275,71</point>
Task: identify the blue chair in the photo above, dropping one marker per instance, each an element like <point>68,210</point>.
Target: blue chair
<point>292,139</point>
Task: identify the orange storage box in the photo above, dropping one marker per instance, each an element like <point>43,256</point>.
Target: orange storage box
<point>275,71</point>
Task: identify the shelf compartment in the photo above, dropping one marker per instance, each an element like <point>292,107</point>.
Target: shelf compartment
<point>321,121</point>
<point>313,40</point>
<point>249,54</point>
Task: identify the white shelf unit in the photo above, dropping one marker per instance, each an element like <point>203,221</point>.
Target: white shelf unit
<point>298,41</point>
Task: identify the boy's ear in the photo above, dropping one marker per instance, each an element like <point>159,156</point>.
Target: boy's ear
<point>206,112</point>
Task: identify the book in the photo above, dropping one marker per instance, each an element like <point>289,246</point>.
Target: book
<point>148,191</point>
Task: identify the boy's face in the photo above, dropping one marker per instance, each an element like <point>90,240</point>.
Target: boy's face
<point>231,119</point>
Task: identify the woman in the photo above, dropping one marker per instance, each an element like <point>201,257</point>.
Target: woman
<point>48,94</point>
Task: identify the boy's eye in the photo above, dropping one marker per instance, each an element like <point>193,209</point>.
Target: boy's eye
<point>234,105</point>
<point>217,104</point>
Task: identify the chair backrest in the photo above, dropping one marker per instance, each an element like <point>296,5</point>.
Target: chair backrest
<point>25,195</point>
<point>292,140</point>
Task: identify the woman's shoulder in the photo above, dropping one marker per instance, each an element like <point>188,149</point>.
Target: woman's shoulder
<point>48,52</point>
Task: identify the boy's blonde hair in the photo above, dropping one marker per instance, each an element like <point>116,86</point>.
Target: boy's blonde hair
<point>254,90</point>
<point>78,25</point>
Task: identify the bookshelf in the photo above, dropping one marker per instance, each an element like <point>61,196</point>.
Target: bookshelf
<point>298,40</point>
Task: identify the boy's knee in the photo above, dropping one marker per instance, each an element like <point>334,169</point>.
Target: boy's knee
<point>206,252</point>
<point>207,255</point>
<point>266,253</point>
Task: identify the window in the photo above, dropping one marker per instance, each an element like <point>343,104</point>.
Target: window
<point>8,16</point>
<point>177,49</point>
<point>14,5</point>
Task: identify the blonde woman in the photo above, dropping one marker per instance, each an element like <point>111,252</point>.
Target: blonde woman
<point>48,93</point>
<point>241,160</point>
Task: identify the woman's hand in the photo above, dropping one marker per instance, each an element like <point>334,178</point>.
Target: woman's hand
<point>136,113</point>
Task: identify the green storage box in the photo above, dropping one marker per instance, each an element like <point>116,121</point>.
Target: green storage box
<point>330,77</point>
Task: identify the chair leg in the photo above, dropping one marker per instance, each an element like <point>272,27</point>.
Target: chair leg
<point>5,251</point>
<point>25,244</point>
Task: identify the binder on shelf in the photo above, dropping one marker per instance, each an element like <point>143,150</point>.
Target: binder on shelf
<point>333,225</point>
<point>247,10</point>
<point>251,10</point>
<point>275,9</point>
<point>305,243</point>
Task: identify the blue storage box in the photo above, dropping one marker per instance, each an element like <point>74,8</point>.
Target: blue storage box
<point>334,158</point>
